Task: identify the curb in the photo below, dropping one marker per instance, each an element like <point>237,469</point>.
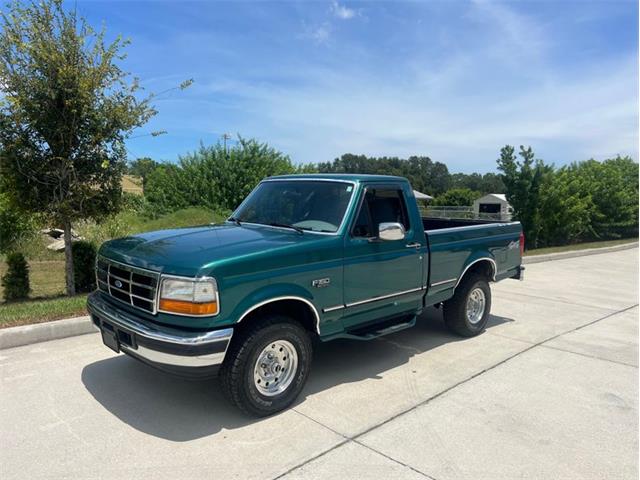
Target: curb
<point>71,327</point>
<point>527,260</point>
<point>43,332</point>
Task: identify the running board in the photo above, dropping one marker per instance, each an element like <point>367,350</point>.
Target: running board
<point>377,330</point>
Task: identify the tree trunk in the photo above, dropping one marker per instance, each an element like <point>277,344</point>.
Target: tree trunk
<point>68,257</point>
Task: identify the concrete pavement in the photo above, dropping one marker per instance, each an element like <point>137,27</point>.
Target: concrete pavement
<point>550,390</point>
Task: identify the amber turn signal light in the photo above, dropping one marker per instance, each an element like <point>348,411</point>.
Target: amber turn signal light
<point>188,308</point>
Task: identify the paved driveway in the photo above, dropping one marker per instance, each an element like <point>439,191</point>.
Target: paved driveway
<point>550,390</point>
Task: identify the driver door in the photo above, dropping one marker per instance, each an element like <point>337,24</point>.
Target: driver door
<point>381,278</point>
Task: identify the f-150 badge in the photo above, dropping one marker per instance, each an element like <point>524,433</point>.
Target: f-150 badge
<point>321,282</point>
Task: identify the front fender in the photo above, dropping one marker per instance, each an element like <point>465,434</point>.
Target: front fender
<point>273,292</point>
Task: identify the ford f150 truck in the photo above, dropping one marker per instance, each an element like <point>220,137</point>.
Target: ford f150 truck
<point>303,257</point>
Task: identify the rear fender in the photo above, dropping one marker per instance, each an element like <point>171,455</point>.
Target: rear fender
<point>476,259</point>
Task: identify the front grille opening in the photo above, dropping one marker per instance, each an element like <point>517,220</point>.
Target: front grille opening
<point>136,287</point>
<point>119,272</point>
<point>140,303</point>
<point>142,291</point>
<point>143,279</point>
<point>120,295</point>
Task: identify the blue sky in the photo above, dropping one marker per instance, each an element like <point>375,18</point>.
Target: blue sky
<point>449,79</point>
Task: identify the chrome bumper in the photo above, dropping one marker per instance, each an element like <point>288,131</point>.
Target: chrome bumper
<point>165,347</point>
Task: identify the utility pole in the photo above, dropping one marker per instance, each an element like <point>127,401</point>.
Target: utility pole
<point>225,137</point>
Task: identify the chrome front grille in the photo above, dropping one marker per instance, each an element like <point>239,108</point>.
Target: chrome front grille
<point>132,285</point>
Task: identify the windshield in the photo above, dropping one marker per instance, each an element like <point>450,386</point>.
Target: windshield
<point>305,204</point>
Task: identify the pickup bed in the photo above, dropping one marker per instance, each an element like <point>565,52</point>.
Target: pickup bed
<point>304,257</point>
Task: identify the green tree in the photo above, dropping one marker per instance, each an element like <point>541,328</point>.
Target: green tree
<point>614,189</point>
<point>142,167</point>
<point>567,210</point>
<point>424,174</point>
<point>522,180</point>
<point>65,114</point>
<point>456,197</point>
<point>215,178</point>
<point>590,200</point>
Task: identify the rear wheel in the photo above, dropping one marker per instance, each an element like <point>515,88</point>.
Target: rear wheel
<point>267,366</point>
<point>467,312</point>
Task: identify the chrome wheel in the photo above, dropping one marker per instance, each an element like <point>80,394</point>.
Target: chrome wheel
<point>275,368</point>
<point>476,302</point>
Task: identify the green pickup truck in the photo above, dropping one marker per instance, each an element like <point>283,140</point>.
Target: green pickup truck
<point>303,258</point>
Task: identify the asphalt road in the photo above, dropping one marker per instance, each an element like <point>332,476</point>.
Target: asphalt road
<point>550,390</point>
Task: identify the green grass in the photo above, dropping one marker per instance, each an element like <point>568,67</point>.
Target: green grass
<point>182,218</point>
<point>41,310</point>
<point>579,246</point>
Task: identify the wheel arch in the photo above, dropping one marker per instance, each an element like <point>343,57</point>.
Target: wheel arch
<point>307,313</point>
<point>484,265</point>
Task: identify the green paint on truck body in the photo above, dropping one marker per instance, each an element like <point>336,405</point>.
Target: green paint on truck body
<point>367,280</point>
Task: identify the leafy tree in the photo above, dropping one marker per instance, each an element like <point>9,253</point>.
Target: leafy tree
<point>590,200</point>
<point>456,197</point>
<point>66,111</point>
<point>491,183</point>
<point>425,175</point>
<point>522,180</point>
<point>215,178</point>
<point>142,167</point>
<point>614,189</point>
<point>163,189</point>
<point>567,210</point>
<point>471,181</point>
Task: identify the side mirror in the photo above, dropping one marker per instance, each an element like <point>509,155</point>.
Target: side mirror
<point>389,231</point>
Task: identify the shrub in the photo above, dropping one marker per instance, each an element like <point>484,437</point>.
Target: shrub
<point>84,258</point>
<point>16,280</point>
<point>214,177</point>
<point>14,226</point>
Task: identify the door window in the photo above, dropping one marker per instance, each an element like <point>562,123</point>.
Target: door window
<point>380,205</point>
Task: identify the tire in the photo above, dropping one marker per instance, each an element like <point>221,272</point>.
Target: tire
<point>455,309</point>
<point>257,394</point>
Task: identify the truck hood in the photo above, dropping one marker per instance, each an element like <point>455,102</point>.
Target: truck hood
<point>196,250</point>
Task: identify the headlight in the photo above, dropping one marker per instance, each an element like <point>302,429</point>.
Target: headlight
<point>197,296</point>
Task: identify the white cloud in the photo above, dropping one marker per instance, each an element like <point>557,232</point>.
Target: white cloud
<point>318,33</point>
<point>586,114</point>
<point>342,12</point>
<point>457,101</point>
<point>514,36</point>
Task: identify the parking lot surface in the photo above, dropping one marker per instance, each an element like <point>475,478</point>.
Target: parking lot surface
<point>550,390</point>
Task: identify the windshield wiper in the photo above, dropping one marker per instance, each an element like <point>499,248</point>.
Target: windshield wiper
<point>235,220</point>
<point>286,225</point>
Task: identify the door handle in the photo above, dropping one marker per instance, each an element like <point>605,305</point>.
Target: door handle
<point>413,245</point>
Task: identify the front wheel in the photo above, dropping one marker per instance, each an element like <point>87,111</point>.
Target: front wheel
<point>267,366</point>
<point>467,312</point>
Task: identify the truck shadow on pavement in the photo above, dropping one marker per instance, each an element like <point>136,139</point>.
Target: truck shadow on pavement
<point>180,410</point>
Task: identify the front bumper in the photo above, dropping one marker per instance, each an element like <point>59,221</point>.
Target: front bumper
<point>173,349</point>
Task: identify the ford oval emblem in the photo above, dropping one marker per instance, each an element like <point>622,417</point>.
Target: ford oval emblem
<point>118,283</point>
